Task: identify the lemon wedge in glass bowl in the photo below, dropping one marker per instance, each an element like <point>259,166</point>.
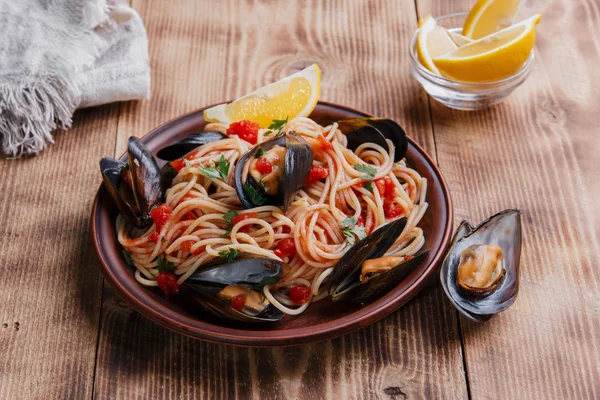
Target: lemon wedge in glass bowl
<point>294,96</point>
<point>493,57</point>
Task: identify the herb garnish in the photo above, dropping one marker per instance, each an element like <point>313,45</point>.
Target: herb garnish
<point>164,265</point>
<point>165,240</point>
<point>228,217</point>
<point>277,125</point>
<point>253,195</point>
<point>349,229</point>
<point>259,153</point>
<point>219,171</point>
<point>266,281</point>
<point>369,172</point>
<point>230,254</point>
<point>128,258</point>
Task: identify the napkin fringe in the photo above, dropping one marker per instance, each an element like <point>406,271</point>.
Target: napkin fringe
<point>30,111</point>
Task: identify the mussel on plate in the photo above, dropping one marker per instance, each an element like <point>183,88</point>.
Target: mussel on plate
<point>364,273</point>
<point>234,290</point>
<point>188,144</point>
<point>136,186</point>
<point>291,158</point>
<point>480,273</point>
<point>375,130</point>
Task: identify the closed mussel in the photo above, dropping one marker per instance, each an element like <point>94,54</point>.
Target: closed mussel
<point>375,130</point>
<point>480,273</point>
<point>233,291</point>
<point>290,159</point>
<point>136,186</point>
<point>188,144</point>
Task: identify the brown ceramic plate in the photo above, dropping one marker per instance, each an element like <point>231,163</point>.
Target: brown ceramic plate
<point>323,320</point>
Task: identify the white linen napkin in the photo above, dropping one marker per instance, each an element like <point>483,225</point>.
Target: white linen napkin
<point>59,55</point>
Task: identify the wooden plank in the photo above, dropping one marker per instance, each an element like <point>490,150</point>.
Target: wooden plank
<point>539,152</point>
<point>50,286</point>
<point>204,52</point>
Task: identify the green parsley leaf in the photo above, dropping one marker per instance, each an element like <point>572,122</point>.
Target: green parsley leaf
<point>230,255</point>
<point>128,166</point>
<point>164,240</point>
<point>164,265</point>
<point>267,133</point>
<point>253,195</point>
<point>278,124</point>
<point>369,170</point>
<point>266,281</point>
<point>223,167</point>
<point>350,230</point>
<point>228,217</point>
<point>369,186</point>
<point>128,258</point>
<point>220,172</point>
<point>259,153</point>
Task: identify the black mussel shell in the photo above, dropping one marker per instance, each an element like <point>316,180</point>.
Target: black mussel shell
<point>298,162</point>
<point>346,273</point>
<point>375,130</point>
<point>380,284</point>
<point>144,189</point>
<point>147,179</point>
<point>119,191</point>
<point>249,272</point>
<point>188,144</point>
<point>502,229</point>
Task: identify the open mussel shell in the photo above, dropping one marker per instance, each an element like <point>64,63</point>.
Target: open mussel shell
<point>245,275</point>
<point>502,229</point>
<point>297,165</point>
<point>375,130</point>
<point>188,144</point>
<point>137,186</point>
<point>345,284</point>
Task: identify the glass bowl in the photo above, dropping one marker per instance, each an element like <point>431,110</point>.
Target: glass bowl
<point>464,95</point>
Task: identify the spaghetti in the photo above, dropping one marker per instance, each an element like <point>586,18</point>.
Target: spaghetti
<point>198,229</point>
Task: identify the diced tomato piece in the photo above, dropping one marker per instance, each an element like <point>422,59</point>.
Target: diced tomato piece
<point>264,166</point>
<point>391,209</point>
<point>241,218</point>
<point>192,155</point>
<point>199,250</point>
<point>286,229</point>
<point>246,130</point>
<point>187,245</point>
<point>360,221</point>
<point>167,282</point>
<point>237,302</point>
<point>386,187</point>
<point>178,165</point>
<point>161,215</point>
<point>154,237</point>
<point>300,294</point>
<point>285,248</point>
<point>324,143</point>
<point>316,174</point>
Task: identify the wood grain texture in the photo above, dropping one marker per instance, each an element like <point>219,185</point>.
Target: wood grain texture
<point>206,52</point>
<point>50,288</point>
<point>539,152</point>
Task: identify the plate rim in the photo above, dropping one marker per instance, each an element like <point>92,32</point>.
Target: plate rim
<point>279,338</point>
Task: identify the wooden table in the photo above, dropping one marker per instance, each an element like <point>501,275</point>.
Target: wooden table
<point>65,334</point>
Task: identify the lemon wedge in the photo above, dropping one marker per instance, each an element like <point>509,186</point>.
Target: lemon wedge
<point>459,39</point>
<point>489,16</point>
<point>493,57</point>
<point>294,96</point>
<point>432,41</point>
